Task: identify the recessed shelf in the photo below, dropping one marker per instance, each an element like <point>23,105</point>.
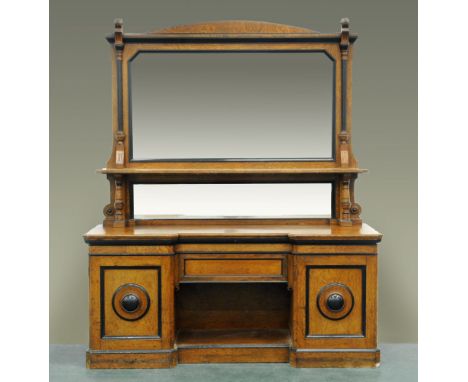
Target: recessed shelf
<point>188,338</point>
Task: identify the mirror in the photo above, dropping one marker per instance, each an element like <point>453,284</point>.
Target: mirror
<point>261,200</point>
<point>231,106</point>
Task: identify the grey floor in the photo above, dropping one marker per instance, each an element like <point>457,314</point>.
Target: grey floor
<point>398,363</point>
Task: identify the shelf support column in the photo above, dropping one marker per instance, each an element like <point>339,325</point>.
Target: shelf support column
<point>345,201</point>
<point>118,157</point>
<point>344,144</point>
<point>119,201</point>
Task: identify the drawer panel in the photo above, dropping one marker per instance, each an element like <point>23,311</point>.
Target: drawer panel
<point>235,267</point>
<point>232,267</point>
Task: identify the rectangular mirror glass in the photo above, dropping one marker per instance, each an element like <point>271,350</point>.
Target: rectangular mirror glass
<point>190,201</point>
<point>231,106</point>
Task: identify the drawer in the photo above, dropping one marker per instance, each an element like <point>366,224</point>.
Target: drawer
<point>232,267</point>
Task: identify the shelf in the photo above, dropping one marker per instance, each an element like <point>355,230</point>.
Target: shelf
<point>227,346</point>
<point>239,171</point>
<point>138,38</point>
<point>233,338</point>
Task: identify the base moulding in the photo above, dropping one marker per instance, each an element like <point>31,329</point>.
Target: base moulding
<point>306,358</point>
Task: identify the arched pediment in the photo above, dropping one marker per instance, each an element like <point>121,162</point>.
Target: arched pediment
<point>234,27</point>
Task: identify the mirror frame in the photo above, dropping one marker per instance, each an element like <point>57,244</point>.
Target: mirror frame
<point>235,36</point>
<point>231,36</point>
<point>332,127</point>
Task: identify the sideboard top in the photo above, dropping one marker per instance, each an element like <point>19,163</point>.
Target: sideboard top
<point>193,231</point>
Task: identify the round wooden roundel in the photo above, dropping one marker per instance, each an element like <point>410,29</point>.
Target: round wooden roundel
<point>130,302</point>
<point>335,301</point>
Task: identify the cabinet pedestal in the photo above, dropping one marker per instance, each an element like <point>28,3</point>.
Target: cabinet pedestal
<point>306,296</point>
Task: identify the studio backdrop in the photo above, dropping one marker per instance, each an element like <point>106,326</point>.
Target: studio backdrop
<point>384,133</point>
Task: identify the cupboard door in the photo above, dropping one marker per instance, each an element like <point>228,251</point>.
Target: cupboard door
<point>131,302</point>
<point>335,298</point>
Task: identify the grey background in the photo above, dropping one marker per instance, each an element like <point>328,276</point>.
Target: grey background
<point>384,133</point>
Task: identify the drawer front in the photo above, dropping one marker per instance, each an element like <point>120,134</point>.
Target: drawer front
<point>232,267</point>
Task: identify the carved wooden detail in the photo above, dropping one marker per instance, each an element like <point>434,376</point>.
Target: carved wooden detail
<point>109,210</point>
<point>344,149</point>
<point>344,38</point>
<point>119,201</point>
<point>349,209</point>
<point>355,209</point>
<point>345,203</point>
<point>119,149</point>
<point>118,37</point>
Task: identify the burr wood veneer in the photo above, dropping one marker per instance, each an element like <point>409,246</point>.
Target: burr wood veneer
<point>301,291</point>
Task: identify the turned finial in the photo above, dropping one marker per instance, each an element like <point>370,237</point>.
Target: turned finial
<point>118,34</point>
<point>118,25</point>
<point>344,24</point>
<point>344,41</point>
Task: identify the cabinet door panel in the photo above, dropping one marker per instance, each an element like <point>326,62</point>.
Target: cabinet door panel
<point>335,302</point>
<point>131,302</point>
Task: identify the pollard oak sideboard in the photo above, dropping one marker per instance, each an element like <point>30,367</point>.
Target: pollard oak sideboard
<point>232,233</point>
